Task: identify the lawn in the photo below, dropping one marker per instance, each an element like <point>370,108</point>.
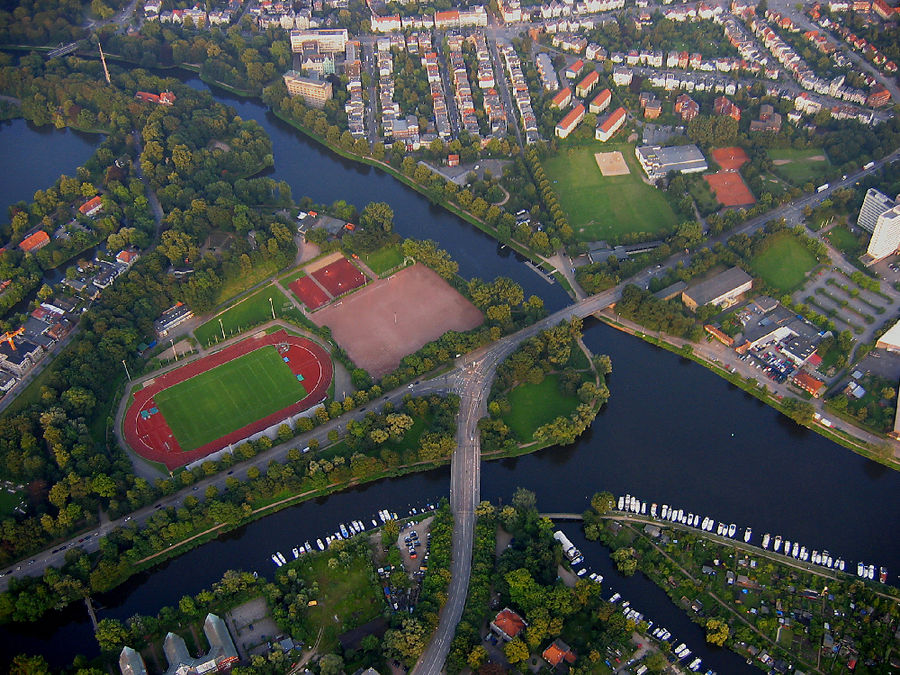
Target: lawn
<point>800,167</point>
<point>844,240</point>
<point>228,397</point>
<point>248,312</point>
<point>291,277</point>
<point>384,259</point>
<point>533,405</point>
<point>348,596</point>
<point>601,207</point>
<point>783,263</point>
<point>9,501</point>
<point>242,282</point>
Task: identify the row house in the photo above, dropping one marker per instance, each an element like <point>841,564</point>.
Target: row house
<point>583,88</point>
<point>570,43</point>
<point>510,11</point>
<point>601,102</point>
<point>546,71</point>
<point>570,122</point>
<point>355,106</point>
<point>562,99</point>
<point>463,90</point>
<point>520,94</point>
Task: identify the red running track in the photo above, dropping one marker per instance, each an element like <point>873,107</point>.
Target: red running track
<point>152,438</point>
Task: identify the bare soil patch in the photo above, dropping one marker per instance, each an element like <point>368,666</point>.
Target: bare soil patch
<point>612,163</point>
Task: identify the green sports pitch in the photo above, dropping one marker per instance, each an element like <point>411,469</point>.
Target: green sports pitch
<point>228,397</point>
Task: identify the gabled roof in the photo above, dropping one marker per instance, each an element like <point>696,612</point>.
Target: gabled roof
<point>34,241</point>
<point>509,622</point>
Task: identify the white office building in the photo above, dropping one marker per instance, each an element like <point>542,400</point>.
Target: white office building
<point>886,237</point>
<point>874,204</point>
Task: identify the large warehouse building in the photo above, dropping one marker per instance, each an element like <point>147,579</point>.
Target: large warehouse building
<point>657,161</point>
<point>721,290</point>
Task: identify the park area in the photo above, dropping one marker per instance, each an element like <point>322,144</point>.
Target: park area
<point>223,398</point>
<point>784,262</point>
<point>800,166</point>
<point>534,405</point>
<point>251,311</point>
<point>607,207</point>
<point>390,318</point>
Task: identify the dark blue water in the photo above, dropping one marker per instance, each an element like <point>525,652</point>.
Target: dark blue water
<point>672,432</point>
<point>34,157</point>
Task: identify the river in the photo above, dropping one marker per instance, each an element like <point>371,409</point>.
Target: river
<point>672,433</point>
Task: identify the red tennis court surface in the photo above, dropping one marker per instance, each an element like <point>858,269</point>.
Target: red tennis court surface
<point>309,293</point>
<point>148,434</point>
<point>339,277</point>
<point>730,158</point>
<point>730,188</point>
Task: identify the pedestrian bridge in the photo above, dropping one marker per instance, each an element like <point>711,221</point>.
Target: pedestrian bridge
<point>562,516</point>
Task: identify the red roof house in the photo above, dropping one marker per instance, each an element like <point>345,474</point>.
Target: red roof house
<point>557,652</point>
<point>35,242</point>
<point>507,624</point>
<point>91,207</point>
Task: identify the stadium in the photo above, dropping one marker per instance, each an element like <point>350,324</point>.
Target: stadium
<point>185,414</point>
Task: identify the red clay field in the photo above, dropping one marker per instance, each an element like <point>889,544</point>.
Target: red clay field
<point>207,404</point>
<point>730,158</point>
<point>309,293</point>
<point>339,277</point>
<point>730,188</point>
<point>390,318</point>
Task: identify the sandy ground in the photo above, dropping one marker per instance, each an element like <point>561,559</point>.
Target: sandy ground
<point>390,318</point>
<point>612,163</point>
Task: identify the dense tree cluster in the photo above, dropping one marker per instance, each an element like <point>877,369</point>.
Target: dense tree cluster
<point>43,22</point>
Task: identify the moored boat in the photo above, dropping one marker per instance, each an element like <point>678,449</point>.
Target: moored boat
<point>765,541</point>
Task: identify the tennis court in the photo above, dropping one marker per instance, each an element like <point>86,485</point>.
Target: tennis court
<point>228,397</point>
<point>309,293</point>
<point>339,277</point>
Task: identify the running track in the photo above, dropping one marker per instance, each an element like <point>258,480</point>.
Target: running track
<point>152,438</point>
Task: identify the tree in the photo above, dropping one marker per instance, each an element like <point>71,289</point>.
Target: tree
<point>407,643</point>
<point>476,657</point>
<point>516,651</point>
<point>602,502</point>
<point>111,635</point>
<point>656,662</point>
<point>524,500</point>
<point>717,632</point>
<point>625,561</point>
<point>29,665</point>
<point>331,664</point>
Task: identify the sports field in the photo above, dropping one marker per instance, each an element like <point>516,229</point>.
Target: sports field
<point>606,207</point>
<point>800,166</point>
<point>783,264</point>
<point>309,293</point>
<point>250,311</point>
<point>228,397</point>
<point>730,188</point>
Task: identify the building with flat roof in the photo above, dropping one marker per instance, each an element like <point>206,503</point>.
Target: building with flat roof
<point>886,238</point>
<point>176,315</point>
<point>313,91</point>
<point>890,340</point>
<point>874,204</point>
<point>20,356</point>
<point>657,161</point>
<point>332,40</point>
<point>721,290</point>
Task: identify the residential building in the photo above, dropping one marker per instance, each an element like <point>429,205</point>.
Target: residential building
<point>329,40</point>
<point>222,654</point>
<point>874,204</point>
<point>652,109</point>
<point>176,315</point>
<point>562,99</point>
<point>687,107</point>
<point>878,97</point>
<point>601,102</point>
<point>886,238</point>
<point>622,76</point>
<point>769,120</point>
<point>583,88</point>
<point>721,290</point>
<point>568,123</point>
<point>507,624</point>
<point>18,355</point>
<point>35,242</point>
<point>723,106</point>
<point>545,69</point>
<point>165,98</point>
<point>575,69</point>
<point>657,161</point>
<point>808,383</point>
<point>557,652</point>
<point>314,92</point>
<point>385,24</point>
<point>91,207</point>
<point>890,340</point>
<point>131,662</point>
<point>608,127</point>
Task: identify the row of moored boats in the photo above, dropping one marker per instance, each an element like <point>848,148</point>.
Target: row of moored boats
<point>631,504</point>
<point>344,531</point>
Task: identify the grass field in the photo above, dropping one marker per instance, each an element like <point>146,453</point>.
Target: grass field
<point>8,501</point>
<point>384,259</point>
<point>533,405</point>
<point>601,207</point>
<point>248,312</point>
<point>784,263</point>
<point>228,397</point>
<point>844,240</point>
<point>800,167</point>
<point>244,281</point>
<point>291,277</point>
<point>348,596</point>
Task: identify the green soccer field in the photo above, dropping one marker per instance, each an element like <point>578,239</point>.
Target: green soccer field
<point>608,207</point>
<point>228,397</point>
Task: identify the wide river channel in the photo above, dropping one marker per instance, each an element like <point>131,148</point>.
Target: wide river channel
<point>672,433</point>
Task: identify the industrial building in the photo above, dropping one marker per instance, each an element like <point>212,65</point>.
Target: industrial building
<point>657,161</point>
<point>721,290</point>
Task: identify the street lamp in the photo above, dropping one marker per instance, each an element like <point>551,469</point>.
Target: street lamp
<point>173,349</point>
<point>272,307</point>
<point>126,370</point>
<point>223,328</point>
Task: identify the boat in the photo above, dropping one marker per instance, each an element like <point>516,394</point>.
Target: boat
<point>614,598</point>
<point>816,558</point>
<point>281,557</point>
<point>860,569</point>
<point>840,564</point>
<point>695,664</point>
<point>777,545</point>
<point>320,544</point>
<point>870,573</point>
<point>732,529</point>
<point>765,541</point>
<point>804,554</point>
<point>665,511</point>
<point>787,546</point>
<point>829,562</point>
<point>653,509</point>
<point>621,503</point>
<point>296,552</point>
<point>882,574</point>
<point>643,508</point>
<point>747,534</point>
<point>796,550</point>
<point>684,654</point>
<point>374,523</point>
<point>276,560</point>
<point>720,528</point>
<point>582,571</point>
<point>680,646</point>
<point>344,532</point>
